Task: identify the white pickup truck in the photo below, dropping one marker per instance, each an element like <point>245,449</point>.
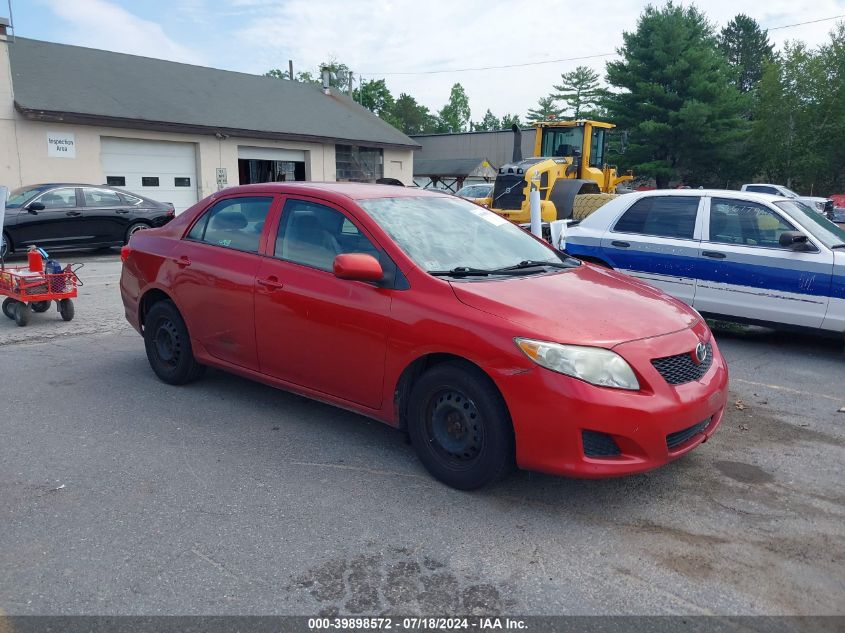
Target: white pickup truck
<point>820,205</point>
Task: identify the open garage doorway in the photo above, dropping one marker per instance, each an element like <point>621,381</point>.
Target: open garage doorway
<point>263,164</point>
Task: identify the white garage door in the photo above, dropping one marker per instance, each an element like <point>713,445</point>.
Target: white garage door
<point>161,170</point>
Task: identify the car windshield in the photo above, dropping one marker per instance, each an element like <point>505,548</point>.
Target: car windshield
<point>18,197</point>
<point>447,233</point>
<point>823,229</point>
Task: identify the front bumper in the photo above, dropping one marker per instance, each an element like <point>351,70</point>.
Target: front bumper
<point>650,427</point>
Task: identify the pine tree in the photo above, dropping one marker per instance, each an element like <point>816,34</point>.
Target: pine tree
<point>675,97</point>
<point>580,90</point>
<point>747,48</point>
<point>546,110</point>
<point>489,122</point>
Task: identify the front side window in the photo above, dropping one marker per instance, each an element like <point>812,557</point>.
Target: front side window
<point>597,147</point>
<point>18,197</point>
<point>762,189</point>
<point>101,198</point>
<point>821,228</point>
<point>563,141</point>
<point>59,198</point>
<point>745,223</point>
<point>233,223</point>
<point>661,216</point>
<point>444,233</point>
<point>313,234</point>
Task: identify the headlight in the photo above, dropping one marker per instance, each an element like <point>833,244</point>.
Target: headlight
<point>591,364</point>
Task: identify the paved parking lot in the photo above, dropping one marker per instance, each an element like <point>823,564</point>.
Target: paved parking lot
<point>121,495</point>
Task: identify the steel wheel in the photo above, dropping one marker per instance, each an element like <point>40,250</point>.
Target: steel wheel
<point>454,427</point>
<point>168,345</point>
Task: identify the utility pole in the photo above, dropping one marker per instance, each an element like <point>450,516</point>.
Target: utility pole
<point>351,79</point>
<point>290,69</point>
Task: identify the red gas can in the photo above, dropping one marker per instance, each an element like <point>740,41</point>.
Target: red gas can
<point>36,262</point>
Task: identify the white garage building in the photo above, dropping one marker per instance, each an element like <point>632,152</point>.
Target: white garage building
<point>175,132</point>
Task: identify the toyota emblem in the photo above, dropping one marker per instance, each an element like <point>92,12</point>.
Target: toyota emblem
<point>700,353</point>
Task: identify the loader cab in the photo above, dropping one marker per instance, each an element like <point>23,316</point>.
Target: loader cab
<point>561,142</point>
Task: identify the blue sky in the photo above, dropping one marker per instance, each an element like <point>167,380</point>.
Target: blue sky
<point>382,36</point>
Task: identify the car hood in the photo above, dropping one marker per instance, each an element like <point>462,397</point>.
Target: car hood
<point>587,305</point>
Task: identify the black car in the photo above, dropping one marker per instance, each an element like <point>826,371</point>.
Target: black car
<point>65,215</point>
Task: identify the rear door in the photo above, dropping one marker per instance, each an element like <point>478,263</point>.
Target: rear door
<point>657,240</point>
<point>213,276</point>
<point>105,214</point>
<point>744,272</point>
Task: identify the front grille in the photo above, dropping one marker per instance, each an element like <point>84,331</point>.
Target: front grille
<point>682,368</point>
<point>828,206</point>
<point>674,440</point>
<point>599,444</point>
<point>513,199</point>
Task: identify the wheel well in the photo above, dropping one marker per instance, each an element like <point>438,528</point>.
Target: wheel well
<point>401,395</point>
<point>150,298</point>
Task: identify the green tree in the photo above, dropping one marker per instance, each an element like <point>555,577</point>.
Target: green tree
<point>674,96</point>
<point>375,96</point>
<point>340,77</point>
<point>454,116</point>
<point>509,120</point>
<point>546,110</point>
<point>303,77</point>
<point>747,48</point>
<point>411,117</point>
<point>580,90</point>
<point>489,122</point>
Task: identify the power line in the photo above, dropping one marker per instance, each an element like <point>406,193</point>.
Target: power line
<point>557,61</point>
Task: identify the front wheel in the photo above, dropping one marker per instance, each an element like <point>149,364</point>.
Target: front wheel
<point>9,307</point>
<point>22,313</point>
<point>460,427</point>
<point>168,345</point>
<point>66,309</point>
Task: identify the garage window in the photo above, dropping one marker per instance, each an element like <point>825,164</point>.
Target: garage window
<point>233,223</point>
<point>182,182</point>
<point>661,216</point>
<point>149,181</point>
<point>358,164</point>
<point>116,181</point>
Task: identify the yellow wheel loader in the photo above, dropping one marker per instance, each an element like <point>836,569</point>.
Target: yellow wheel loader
<point>569,169</point>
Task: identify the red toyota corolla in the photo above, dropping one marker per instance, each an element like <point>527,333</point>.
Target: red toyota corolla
<point>433,315</point>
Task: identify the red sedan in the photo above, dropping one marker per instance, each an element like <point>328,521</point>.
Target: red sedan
<point>433,315</point>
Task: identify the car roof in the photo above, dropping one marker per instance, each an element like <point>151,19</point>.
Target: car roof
<point>745,195</point>
<point>351,190</point>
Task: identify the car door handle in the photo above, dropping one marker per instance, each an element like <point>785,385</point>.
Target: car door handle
<point>713,254</point>
<point>124,211</point>
<point>271,282</point>
<point>182,262</point>
<point>73,213</point>
<point>621,244</point>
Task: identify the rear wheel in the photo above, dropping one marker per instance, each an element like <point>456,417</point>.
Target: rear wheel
<point>40,306</point>
<point>22,313</point>
<point>5,245</point>
<point>66,309</point>
<point>9,307</point>
<point>460,427</point>
<point>134,228</point>
<point>168,345</point>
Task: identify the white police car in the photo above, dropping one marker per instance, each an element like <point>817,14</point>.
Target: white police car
<point>744,257</point>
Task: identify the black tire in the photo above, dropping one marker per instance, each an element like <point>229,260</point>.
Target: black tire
<point>9,307</point>
<point>40,306</point>
<point>168,345</point>
<point>134,228</point>
<point>66,309</point>
<point>460,427</point>
<point>22,314</point>
<point>5,245</point>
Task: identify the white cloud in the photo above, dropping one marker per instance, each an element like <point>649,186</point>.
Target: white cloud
<point>381,36</point>
<point>102,24</point>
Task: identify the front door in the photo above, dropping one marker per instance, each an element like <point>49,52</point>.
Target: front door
<point>313,329</point>
<point>213,270</point>
<point>656,240</point>
<point>105,215</point>
<point>59,223</point>
<point>743,270</point>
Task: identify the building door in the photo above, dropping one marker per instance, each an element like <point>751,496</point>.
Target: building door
<point>162,170</point>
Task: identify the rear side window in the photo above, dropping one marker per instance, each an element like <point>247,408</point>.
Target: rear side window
<point>101,198</point>
<point>233,223</point>
<point>762,189</point>
<point>666,216</point>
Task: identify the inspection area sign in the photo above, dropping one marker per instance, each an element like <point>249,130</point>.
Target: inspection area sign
<point>61,145</point>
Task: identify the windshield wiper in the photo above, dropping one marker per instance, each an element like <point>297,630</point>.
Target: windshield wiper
<point>533,263</point>
<point>460,271</point>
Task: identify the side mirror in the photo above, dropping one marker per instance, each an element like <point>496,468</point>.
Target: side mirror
<point>357,267</point>
<point>35,207</point>
<point>794,240</point>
